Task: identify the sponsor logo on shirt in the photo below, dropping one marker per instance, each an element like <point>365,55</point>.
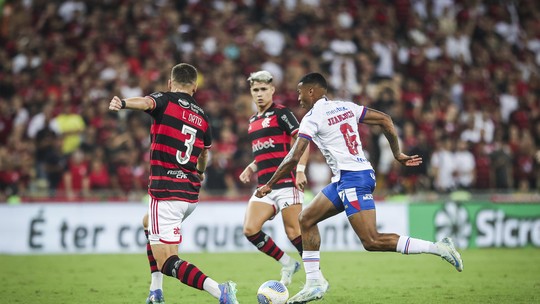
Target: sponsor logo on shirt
<point>368,197</point>
<point>257,146</point>
<point>177,173</point>
<point>183,103</point>
<point>285,119</point>
<point>336,110</point>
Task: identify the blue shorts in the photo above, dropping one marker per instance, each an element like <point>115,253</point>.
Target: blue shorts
<point>353,192</point>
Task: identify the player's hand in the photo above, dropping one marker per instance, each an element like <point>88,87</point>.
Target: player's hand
<point>201,176</point>
<point>301,180</point>
<point>115,104</point>
<point>263,191</point>
<point>245,176</point>
<point>409,161</point>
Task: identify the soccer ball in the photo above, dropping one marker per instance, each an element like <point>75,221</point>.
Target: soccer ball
<point>272,292</point>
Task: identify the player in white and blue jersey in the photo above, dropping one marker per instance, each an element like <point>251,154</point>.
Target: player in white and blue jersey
<point>333,127</point>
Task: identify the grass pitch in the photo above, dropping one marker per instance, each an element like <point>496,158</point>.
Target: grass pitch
<point>490,276</point>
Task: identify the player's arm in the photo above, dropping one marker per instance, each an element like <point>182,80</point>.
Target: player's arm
<point>301,178</point>
<point>288,163</point>
<point>133,103</point>
<point>374,117</point>
<point>201,163</point>
<point>245,176</point>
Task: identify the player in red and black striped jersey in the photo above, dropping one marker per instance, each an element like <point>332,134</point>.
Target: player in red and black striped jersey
<point>272,130</point>
<point>180,141</point>
<point>180,138</point>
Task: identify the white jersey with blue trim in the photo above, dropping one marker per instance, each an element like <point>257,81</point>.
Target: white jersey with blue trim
<point>333,126</point>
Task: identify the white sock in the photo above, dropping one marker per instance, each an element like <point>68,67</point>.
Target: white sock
<point>285,259</point>
<point>157,280</point>
<point>212,287</point>
<point>409,245</point>
<point>311,261</point>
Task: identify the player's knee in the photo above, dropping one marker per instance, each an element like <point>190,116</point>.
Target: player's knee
<point>249,231</point>
<point>305,220</point>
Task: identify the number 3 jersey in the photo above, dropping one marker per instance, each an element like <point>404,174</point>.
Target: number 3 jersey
<point>333,127</point>
<point>271,134</point>
<point>180,132</point>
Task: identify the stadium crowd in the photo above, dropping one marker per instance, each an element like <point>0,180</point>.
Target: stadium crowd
<point>460,78</point>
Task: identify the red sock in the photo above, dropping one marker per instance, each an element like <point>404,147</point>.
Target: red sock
<point>150,255</point>
<point>187,273</point>
<point>297,242</point>
<point>265,244</point>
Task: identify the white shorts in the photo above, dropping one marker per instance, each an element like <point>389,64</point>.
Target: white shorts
<point>281,198</point>
<point>165,220</point>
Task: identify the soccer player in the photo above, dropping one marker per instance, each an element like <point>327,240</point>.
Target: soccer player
<point>180,141</point>
<point>272,130</point>
<point>333,126</point>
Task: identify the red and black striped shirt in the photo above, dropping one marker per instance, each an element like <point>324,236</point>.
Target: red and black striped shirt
<point>180,132</point>
<point>271,134</point>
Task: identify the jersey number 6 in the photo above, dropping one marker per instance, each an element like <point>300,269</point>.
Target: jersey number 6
<point>189,142</point>
<point>350,138</point>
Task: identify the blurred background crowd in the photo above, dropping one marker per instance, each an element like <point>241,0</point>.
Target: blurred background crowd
<point>460,78</point>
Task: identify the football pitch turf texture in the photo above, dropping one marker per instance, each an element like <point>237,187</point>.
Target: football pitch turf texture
<point>490,276</point>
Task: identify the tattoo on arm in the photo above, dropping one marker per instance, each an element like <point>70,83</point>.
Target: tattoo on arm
<point>391,136</point>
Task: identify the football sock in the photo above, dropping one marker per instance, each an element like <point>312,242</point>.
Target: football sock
<point>157,277</point>
<point>265,244</point>
<point>184,271</point>
<point>150,255</point>
<point>311,261</point>
<point>285,259</point>
<point>297,242</point>
<point>157,281</point>
<point>409,245</point>
<point>212,287</point>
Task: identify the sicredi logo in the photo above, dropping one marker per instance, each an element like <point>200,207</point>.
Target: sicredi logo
<point>257,146</point>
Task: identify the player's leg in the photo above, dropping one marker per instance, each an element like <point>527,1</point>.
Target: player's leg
<point>325,204</point>
<point>356,190</point>
<point>155,294</point>
<point>291,224</point>
<point>165,219</point>
<point>365,226</point>
<point>290,204</point>
<point>258,211</point>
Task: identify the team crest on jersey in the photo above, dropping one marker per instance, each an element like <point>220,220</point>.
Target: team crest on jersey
<point>183,103</point>
<point>266,122</point>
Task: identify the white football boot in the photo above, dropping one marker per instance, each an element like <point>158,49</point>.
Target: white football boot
<point>449,253</point>
<point>288,271</point>
<point>313,290</point>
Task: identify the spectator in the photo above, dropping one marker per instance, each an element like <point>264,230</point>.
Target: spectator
<point>465,166</point>
<point>441,59</point>
<point>443,166</point>
<point>501,165</point>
